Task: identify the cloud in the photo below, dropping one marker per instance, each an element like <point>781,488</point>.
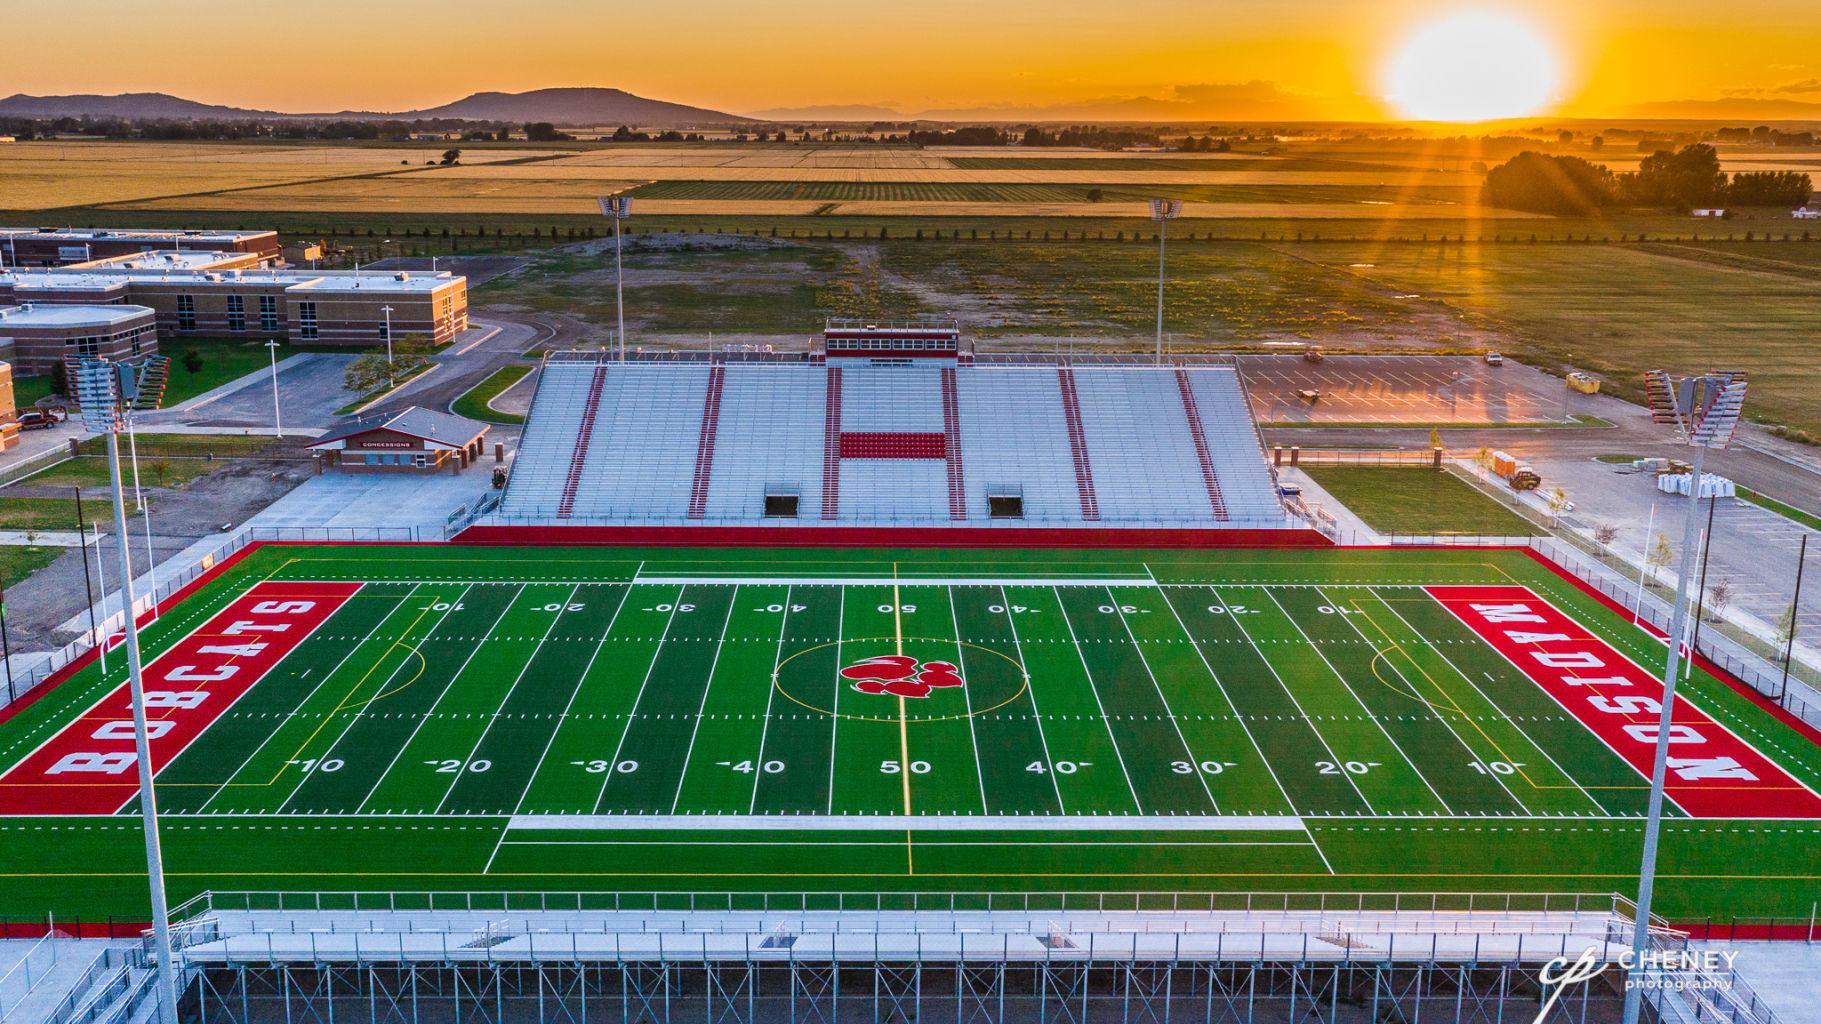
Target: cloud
<point>1806,85</point>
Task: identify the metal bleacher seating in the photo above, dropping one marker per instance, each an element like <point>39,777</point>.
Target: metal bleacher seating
<point>679,442</point>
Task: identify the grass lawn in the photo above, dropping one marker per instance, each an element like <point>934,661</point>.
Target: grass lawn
<point>223,360</point>
<point>91,471</point>
<point>28,390</point>
<point>1418,501</point>
<point>17,561</point>
<point>221,446</point>
<point>53,513</point>
<point>1791,512</point>
<point>473,403</point>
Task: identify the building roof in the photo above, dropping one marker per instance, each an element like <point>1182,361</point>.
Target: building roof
<point>440,427</point>
<point>44,315</point>
<point>395,282</point>
<point>80,235</point>
<point>166,259</point>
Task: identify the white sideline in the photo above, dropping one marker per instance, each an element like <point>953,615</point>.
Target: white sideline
<point>888,581</point>
<point>915,823</point>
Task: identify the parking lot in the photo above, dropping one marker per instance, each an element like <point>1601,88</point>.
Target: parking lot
<point>1404,389</point>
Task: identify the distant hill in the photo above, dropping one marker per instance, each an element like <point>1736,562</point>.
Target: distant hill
<point>1732,108</point>
<point>585,107</point>
<point>144,105</point>
<point>574,107</point>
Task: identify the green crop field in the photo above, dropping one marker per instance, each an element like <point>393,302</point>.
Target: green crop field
<point>595,720</point>
<point>1025,192</point>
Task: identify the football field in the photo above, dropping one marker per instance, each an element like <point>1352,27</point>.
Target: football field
<point>449,718</point>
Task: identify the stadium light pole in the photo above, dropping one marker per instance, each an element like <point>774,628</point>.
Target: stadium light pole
<point>618,208</point>
<point>1704,412</point>
<point>278,425</point>
<point>387,309</point>
<point>108,393</point>
<point>1163,211</point>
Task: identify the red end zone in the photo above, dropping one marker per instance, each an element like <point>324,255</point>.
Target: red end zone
<point>90,767</point>
<point>1712,772</point>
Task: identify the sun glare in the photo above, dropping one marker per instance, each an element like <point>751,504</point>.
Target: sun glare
<point>1473,66</point>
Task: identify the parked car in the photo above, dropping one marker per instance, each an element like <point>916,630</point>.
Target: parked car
<point>1494,359</point>
<point>38,420</point>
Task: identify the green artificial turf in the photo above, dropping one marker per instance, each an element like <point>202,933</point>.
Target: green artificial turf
<point>621,720</point>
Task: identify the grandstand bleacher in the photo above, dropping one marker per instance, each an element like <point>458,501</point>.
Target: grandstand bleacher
<point>919,444</point>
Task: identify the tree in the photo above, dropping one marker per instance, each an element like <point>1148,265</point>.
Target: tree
<point>192,361</point>
<point>1558,502</point>
<point>161,471</point>
<point>1682,180</point>
<point>451,156</point>
<point>1719,595</point>
<point>544,131</point>
<point>1770,188</point>
<point>1094,195</point>
<point>1603,535</point>
<point>1786,626</point>
<point>1661,554</point>
<point>366,373</point>
<point>1483,459</point>
<point>1540,183</point>
<point>60,379</point>
<point>1435,438</point>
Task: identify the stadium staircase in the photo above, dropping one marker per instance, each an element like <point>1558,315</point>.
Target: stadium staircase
<point>831,446</point>
<point>1200,438</point>
<point>1078,444</point>
<point>584,434</point>
<point>688,441</point>
<point>711,421</point>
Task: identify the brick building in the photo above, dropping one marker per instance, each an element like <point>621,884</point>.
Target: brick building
<point>306,307</point>
<point>55,247</point>
<point>416,440</point>
<point>35,337</point>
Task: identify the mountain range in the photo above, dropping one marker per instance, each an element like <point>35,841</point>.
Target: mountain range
<point>579,107</point>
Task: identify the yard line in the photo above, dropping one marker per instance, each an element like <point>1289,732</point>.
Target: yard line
<point>972,734</point>
<point>834,705</point>
<point>1005,602</point>
<point>1476,688</point>
<point>703,706</point>
<point>1105,722</point>
<point>632,710</point>
<point>431,713</point>
<point>1433,711</point>
<point>330,749</point>
<point>1362,704</point>
<point>904,761</point>
<point>625,595</point>
<point>1336,758</point>
<point>313,690</point>
<point>1224,695</point>
<point>770,694</point>
<point>1138,649</point>
<point>1307,830</point>
<point>554,619</point>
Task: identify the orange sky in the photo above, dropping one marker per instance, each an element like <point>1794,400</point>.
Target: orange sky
<point>1310,57</point>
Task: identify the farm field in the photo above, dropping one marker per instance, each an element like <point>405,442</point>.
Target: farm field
<point>477,718</point>
<point>1619,310</point>
<point>1014,192</point>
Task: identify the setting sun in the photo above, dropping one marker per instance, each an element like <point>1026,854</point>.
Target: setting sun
<point>1473,66</point>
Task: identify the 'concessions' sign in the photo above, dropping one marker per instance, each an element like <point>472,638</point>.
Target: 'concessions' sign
<point>1713,773</point>
<point>91,767</point>
<point>384,444</point>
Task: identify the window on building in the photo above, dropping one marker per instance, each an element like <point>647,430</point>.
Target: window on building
<point>237,313</point>
<point>186,312</point>
<point>82,348</point>
<point>268,313</point>
<point>384,331</point>
<point>306,320</point>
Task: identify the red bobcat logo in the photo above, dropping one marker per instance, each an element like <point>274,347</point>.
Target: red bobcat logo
<point>901,676</point>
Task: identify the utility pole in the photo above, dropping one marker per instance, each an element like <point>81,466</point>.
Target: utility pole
<point>109,393</point>
<point>1704,412</point>
<point>82,541</point>
<point>386,309</point>
<point>1163,211</point>
<point>1795,605</point>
